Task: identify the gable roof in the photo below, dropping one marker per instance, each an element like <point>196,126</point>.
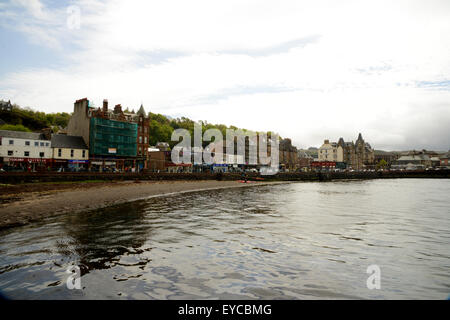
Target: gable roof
<point>22,135</point>
<point>70,142</point>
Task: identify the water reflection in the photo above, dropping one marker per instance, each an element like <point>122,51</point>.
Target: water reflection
<point>99,239</point>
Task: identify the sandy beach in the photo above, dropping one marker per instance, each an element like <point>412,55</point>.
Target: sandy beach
<point>33,203</point>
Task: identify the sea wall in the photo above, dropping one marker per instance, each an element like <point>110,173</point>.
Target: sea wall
<point>25,177</point>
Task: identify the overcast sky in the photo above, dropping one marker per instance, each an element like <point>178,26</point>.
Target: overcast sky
<point>309,70</point>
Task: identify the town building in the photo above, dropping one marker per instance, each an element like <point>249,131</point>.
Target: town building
<point>444,160</point>
<point>304,160</point>
<point>357,155</point>
<point>143,133</point>
<point>110,137</point>
<point>288,156</point>
<point>388,157</point>
<point>412,162</point>
<point>28,151</point>
<point>330,151</point>
<point>6,105</point>
<point>70,153</point>
<point>157,159</point>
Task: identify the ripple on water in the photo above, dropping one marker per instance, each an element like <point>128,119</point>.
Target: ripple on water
<point>293,241</point>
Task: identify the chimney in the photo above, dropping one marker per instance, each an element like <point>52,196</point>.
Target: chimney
<point>105,105</point>
<point>47,133</point>
<point>326,141</point>
<point>118,109</point>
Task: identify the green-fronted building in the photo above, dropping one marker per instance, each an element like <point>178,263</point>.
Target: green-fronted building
<point>112,138</point>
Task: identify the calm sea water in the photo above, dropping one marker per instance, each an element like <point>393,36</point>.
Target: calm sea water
<point>291,241</point>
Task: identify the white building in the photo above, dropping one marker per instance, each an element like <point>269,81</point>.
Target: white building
<point>331,152</point>
<point>24,149</point>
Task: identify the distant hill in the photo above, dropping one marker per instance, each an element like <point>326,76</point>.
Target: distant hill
<point>26,119</point>
<point>161,126</point>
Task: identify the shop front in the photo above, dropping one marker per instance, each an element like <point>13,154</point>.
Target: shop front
<point>28,164</point>
<point>59,165</point>
<point>78,165</point>
<point>112,165</point>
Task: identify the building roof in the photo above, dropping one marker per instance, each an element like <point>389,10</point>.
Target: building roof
<point>414,157</point>
<point>22,135</point>
<point>141,111</point>
<point>69,142</point>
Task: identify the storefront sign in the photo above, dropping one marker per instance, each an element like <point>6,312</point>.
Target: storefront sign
<point>34,160</point>
<point>78,161</point>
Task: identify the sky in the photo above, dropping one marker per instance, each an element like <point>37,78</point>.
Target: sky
<point>309,70</point>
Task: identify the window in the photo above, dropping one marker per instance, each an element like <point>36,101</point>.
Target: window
<point>27,143</point>
<point>84,153</point>
<point>145,139</point>
<point>71,153</point>
<point>11,142</point>
<point>41,154</point>
<point>10,152</point>
<point>36,144</point>
<point>42,144</point>
<point>140,139</point>
<point>47,144</point>
<point>59,152</point>
<point>26,153</point>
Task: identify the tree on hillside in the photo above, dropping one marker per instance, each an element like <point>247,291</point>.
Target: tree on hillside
<point>14,127</point>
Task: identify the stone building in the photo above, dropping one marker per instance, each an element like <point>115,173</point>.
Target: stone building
<point>110,136</point>
<point>357,155</point>
<point>143,122</point>
<point>288,155</point>
<point>330,151</point>
<point>304,160</point>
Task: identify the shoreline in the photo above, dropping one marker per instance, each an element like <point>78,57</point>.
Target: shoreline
<point>26,207</point>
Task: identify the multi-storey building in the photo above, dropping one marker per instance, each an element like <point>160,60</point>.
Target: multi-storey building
<point>353,155</point>
<point>25,150</point>
<point>330,151</point>
<point>112,140</point>
<point>288,155</point>
<point>358,155</point>
<point>304,160</point>
<point>142,140</point>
